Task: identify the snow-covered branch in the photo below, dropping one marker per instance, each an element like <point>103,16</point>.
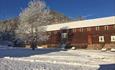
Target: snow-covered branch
<point>33,19</point>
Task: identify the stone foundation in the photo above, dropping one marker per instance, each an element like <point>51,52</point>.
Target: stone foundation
<point>100,46</point>
<point>109,46</point>
<point>95,46</point>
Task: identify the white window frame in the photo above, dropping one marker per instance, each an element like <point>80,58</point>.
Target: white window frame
<point>64,35</point>
<point>81,29</point>
<point>88,29</point>
<point>113,26</point>
<point>106,27</point>
<point>101,39</point>
<point>97,28</point>
<point>113,38</point>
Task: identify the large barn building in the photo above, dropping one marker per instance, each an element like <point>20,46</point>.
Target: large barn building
<point>93,33</point>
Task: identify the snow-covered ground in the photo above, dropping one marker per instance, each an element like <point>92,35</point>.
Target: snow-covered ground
<point>55,59</point>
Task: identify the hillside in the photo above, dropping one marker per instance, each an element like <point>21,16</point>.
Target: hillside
<point>56,18</point>
<point>8,27</point>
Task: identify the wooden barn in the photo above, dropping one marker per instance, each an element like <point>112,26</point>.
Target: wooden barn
<point>93,33</point>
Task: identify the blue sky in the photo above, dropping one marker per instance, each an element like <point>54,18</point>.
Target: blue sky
<point>71,8</point>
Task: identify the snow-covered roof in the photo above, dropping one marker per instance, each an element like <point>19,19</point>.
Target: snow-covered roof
<point>84,23</point>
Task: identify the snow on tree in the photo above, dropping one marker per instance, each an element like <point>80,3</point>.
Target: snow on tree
<point>7,30</point>
<point>33,20</point>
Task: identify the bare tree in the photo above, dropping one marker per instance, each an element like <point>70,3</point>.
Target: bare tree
<point>33,20</point>
<point>7,30</point>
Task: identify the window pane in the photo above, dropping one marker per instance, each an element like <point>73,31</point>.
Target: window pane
<point>112,38</point>
<point>64,35</point>
<point>101,38</point>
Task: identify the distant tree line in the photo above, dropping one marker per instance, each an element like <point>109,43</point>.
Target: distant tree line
<point>29,26</point>
<point>7,29</point>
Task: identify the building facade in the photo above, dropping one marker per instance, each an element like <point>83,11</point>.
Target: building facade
<point>93,34</point>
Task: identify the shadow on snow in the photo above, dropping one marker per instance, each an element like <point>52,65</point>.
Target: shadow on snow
<point>107,67</point>
<point>23,52</point>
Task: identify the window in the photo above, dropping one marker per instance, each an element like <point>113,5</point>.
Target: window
<point>49,33</point>
<point>106,27</point>
<point>74,30</point>
<point>81,29</point>
<point>97,28</point>
<point>88,29</point>
<point>101,38</point>
<point>113,26</point>
<point>112,38</point>
<point>64,35</point>
<point>55,32</point>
